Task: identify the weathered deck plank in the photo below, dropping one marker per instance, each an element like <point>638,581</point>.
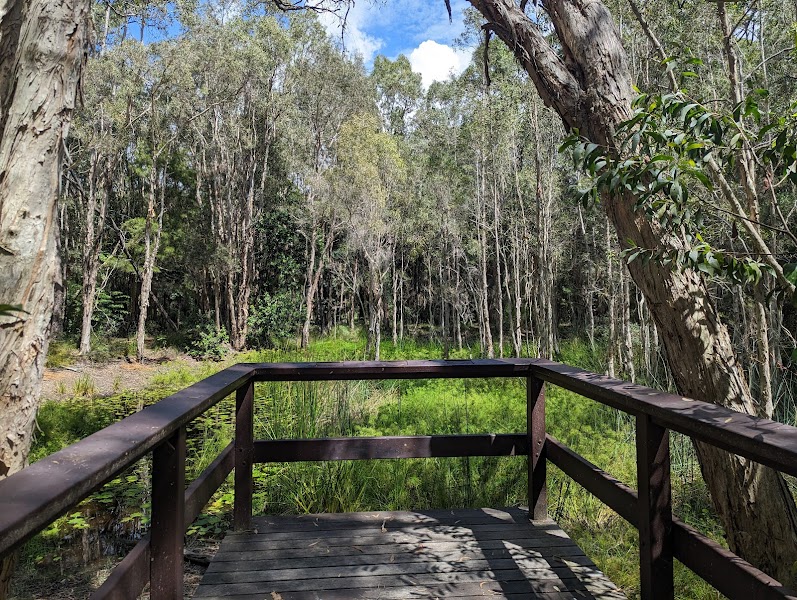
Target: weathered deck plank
<point>395,555</point>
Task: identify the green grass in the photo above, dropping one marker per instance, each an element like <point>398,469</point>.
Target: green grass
<point>61,353</point>
<point>298,409</point>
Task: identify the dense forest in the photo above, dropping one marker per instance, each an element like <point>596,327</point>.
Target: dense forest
<point>248,181</point>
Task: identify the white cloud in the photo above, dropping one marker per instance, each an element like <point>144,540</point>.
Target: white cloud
<point>355,39</point>
<point>437,62</point>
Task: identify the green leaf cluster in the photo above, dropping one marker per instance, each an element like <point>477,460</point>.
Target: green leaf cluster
<point>661,159</point>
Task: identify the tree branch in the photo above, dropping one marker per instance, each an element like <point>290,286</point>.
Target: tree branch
<point>749,226</point>
<point>554,82</point>
<point>654,41</point>
<point>769,58</point>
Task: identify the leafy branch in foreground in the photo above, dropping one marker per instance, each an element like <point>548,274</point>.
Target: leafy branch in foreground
<point>700,255</point>
<point>8,310</point>
<point>671,150</point>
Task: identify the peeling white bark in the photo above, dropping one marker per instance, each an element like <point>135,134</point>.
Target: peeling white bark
<point>42,49</point>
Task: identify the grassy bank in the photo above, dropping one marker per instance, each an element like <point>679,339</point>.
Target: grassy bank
<point>114,517</point>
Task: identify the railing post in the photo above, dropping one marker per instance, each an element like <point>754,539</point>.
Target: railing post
<point>655,510</point>
<point>168,507</point>
<point>244,454</point>
<point>535,428</point>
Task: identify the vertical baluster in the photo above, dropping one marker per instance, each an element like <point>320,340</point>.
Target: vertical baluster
<point>535,427</point>
<point>244,454</point>
<point>655,510</point>
<point>168,507</point>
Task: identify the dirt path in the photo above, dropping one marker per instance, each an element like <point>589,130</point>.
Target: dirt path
<point>104,379</point>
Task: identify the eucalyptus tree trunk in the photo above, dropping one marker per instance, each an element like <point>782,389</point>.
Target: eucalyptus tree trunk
<point>430,294</point>
<point>543,196</point>
<point>92,244</point>
<point>517,325</point>
<point>59,291</point>
<point>394,295</point>
<point>520,248</point>
<point>354,283</point>
<point>645,326</point>
<point>628,341</point>
<point>529,296</point>
<point>245,232</point>
<point>611,362</point>
<point>443,287</point>
<point>315,268</point>
<point>481,224</point>
<point>586,80</point>
<point>498,273</point>
<point>545,316</point>
<point>376,308</point>
<point>766,400</point>
<point>485,292</point>
<point>152,238</point>
<point>590,283</point>
<point>311,286</point>
<point>458,310</point>
<point>746,169</point>
<point>42,49</point>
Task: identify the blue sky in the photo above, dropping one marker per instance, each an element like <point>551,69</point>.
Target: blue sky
<point>419,29</point>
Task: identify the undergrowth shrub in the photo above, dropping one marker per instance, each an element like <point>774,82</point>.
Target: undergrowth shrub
<point>84,387</point>
<point>274,318</point>
<point>210,343</point>
<point>61,353</point>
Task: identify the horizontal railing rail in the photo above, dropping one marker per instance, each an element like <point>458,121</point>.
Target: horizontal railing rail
<point>725,571</point>
<point>39,494</point>
<point>762,440</point>
<point>42,492</point>
<point>387,447</point>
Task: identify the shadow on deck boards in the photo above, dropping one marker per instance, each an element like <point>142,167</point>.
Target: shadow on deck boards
<point>464,553</point>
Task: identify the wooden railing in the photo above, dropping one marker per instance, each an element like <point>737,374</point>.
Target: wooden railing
<point>39,494</point>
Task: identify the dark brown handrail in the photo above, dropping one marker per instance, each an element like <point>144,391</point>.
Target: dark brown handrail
<point>36,496</point>
<point>396,369</point>
<point>39,494</point>
<point>725,571</point>
<point>762,440</point>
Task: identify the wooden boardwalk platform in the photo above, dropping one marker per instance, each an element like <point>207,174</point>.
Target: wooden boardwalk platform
<point>472,553</point>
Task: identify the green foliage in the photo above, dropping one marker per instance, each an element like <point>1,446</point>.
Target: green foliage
<point>61,353</point>
<point>215,518</point>
<point>579,353</point>
<point>121,508</point>
<point>664,152</point>
<point>106,349</point>
<point>398,89</point>
<point>84,387</point>
<point>273,318</point>
<point>210,343</point>
<point>111,312</point>
<point>280,256</point>
<point>700,255</point>
<point>781,152</point>
<point>62,423</point>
